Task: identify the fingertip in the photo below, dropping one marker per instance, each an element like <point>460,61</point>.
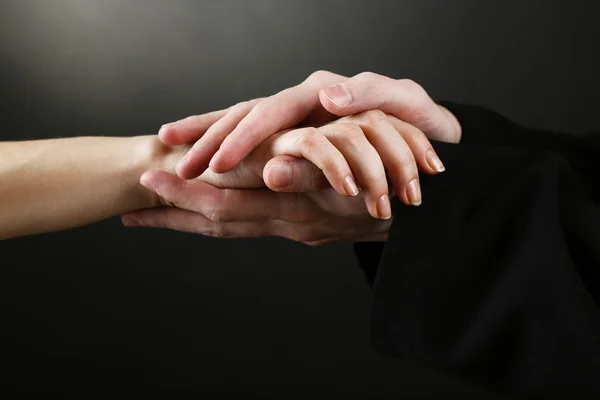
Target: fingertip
<point>329,105</point>
<point>190,167</point>
<point>220,164</point>
<point>277,174</point>
<point>147,180</point>
<point>167,135</point>
<point>129,221</point>
<point>372,207</point>
<point>384,207</point>
<point>434,162</point>
<point>413,193</point>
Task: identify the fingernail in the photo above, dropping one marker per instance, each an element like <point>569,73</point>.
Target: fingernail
<point>280,174</point>
<point>350,186</point>
<point>413,193</point>
<point>338,95</point>
<point>129,222</point>
<point>384,209</point>
<point>434,161</point>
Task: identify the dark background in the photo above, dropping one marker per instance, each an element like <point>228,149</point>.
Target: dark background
<point>102,308</point>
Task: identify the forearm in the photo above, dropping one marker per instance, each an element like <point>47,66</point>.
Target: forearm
<point>49,185</point>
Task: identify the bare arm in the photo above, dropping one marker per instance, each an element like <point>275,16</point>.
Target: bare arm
<point>49,185</point>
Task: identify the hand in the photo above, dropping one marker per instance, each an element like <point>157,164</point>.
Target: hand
<point>356,149</point>
<point>314,218</point>
<point>320,98</point>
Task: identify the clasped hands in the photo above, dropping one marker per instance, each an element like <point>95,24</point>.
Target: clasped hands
<point>315,163</point>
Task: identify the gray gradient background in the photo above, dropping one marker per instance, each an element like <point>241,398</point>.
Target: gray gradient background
<point>104,308</point>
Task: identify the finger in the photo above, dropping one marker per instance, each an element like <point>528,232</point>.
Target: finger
<point>292,174</point>
<point>188,129</point>
<point>396,155</point>
<point>427,159</point>
<point>311,144</point>
<point>366,165</point>
<point>189,221</point>
<point>404,99</point>
<point>196,160</point>
<point>283,110</point>
<point>222,205</point>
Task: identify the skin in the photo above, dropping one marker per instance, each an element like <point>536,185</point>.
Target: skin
<point>236,131</point>
<point>226,137</point>
<point>55,184</point>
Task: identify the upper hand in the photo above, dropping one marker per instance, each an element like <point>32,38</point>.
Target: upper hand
<point>226,137</point>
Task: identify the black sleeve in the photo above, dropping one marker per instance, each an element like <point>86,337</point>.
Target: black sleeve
<point>495,278</point>
<point>481,126</point>
<point>485,127</point>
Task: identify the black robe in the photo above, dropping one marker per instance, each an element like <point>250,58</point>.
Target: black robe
<point>495,278</point>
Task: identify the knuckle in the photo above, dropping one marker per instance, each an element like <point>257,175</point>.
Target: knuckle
<point>367,76</point>
<point>243,108</point>
<point>215,214</point>
<point>238,107</point>
<point>310,139</point>
<point>352,136</point>
<point>411,86</point>
<point>318,76</point>
<point>374,117</point>
<point>215,207</point>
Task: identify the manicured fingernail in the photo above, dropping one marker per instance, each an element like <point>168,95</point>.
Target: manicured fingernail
<point>350,186</point>
<point>338,95</point>
<point>384,209</point>
<point>280,174</point>
<point>413,192</point>
<point>434,161</point>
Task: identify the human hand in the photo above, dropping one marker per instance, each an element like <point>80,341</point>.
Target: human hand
<point>313,217</point>
<point>322,97</point>
<point>309,215</point>
<point>353,151</point>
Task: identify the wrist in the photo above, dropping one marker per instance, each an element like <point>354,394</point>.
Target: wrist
<point>155,155</point>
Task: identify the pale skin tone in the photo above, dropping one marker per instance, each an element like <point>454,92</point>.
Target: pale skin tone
<point>57,184</point>
<point>239,129</point>
<point>49,185</point>
<point>225,137</point>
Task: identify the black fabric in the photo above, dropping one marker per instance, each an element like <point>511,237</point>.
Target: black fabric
<point>495,278</point>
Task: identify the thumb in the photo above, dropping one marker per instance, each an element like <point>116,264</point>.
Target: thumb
<point>404,99</point>
<point>292,174</point>
<point>176,192</point>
